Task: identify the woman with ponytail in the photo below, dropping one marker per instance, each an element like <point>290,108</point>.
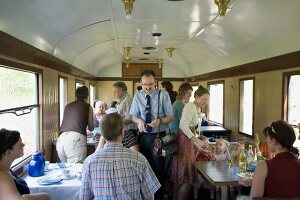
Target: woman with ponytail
<point>280,176</point>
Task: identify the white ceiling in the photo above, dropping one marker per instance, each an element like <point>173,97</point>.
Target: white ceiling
<point>91,34</point>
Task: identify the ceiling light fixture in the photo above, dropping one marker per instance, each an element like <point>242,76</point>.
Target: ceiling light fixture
<point>128,7</point>
<point>126,52</point>
<point>127,62</point>
<point>222,6</point>
<point>170,51</point>
<point>160,61</point>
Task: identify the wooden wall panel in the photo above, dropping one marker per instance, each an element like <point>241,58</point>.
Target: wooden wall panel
<point>135,69</point>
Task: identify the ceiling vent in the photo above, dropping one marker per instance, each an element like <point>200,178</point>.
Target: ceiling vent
<point>156,34</point>
<point>149,48</point>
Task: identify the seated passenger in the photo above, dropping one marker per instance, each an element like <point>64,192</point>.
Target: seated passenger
<point>116,172</point>
<point>235,152</point>
<point>280,176</point>
<point>221,151</point>
<point>12,187</point>
<point>99,112</point>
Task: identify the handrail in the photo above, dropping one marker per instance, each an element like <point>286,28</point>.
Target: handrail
<point>18,111</point>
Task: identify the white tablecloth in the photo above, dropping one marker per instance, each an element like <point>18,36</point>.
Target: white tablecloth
<point>66,189</point>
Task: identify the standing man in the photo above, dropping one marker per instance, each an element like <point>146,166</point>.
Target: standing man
<point>125,101</point>
<point>116,172</point>
<point>144,112</point>
<point>78,115</point>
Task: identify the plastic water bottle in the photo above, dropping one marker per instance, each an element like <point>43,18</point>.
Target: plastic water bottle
<point>242,161</point>
<point>37,165</point>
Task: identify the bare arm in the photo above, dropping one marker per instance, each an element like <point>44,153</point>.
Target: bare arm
<point>258,183</point>
<point>9,191</point>
<point>91,119</point>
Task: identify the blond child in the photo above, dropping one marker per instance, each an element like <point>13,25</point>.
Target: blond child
<point>221,150</point>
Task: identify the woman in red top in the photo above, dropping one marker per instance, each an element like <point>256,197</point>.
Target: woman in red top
<point>280,176</point>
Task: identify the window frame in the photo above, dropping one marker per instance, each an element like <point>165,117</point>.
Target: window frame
<point>66,79</point>
<point>194,85</point>
<point>79,81</point>
<point>285,94</point>
<point>91,101</point>
<point>253,106</point>
<point>39,98</point>
<point>208,87</point>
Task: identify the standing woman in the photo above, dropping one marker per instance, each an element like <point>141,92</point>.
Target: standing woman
<point>184,94</point>
<point>168,86</point>
<point>12,187</point>
<point>280,176</point>
<point>78,115</point>
<point>183,171</point>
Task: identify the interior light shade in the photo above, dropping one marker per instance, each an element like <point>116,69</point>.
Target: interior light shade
<point>222,6</point>
<point>128,7</point>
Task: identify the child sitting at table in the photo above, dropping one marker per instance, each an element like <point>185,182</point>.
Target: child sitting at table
<point>220,153</point>
<point>235,153</point>
<point>221,150</point>
<point>204,154</point>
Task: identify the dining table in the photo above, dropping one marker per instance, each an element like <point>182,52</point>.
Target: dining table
<point>219,173</point>
<point>62,189</point>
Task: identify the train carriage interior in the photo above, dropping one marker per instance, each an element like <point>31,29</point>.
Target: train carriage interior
<point>246,52</point>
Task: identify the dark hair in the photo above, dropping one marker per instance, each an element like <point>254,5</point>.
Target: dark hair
<point>201,91</point>
<point>139,88</point>
<point>183,88</point>
<point>82,93</point>
<point>113,104</point>
<point>7,140</point>
<point>283,133</point>
<point>111,126</point>
<point>168,85</point>
<point>148,72</point>
<point>120,85</point>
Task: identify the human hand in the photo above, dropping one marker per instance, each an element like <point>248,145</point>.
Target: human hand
<point>141,126</point>
<point>155,123</point>
<point>200,144</point>
<point>245,181</point>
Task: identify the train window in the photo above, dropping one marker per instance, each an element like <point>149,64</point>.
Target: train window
<point>192,99</point>
<point>19,106</point>
<point>63,96</point>
<point>246,106</point>
<point>291,98</point>
<point>78,83</point>
<point>92,94</point>
<point>216,102</point>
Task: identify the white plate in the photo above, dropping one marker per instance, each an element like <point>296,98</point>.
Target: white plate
<point>48,170</point>
<point>65,178</point>
<point>49,180</point>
